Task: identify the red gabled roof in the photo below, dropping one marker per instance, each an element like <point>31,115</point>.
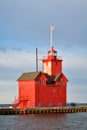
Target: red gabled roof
<point>29,76</point>
<point>58,75</point>
<point>34,75</point>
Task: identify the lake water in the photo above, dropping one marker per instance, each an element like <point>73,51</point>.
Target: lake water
<point>75,121</point>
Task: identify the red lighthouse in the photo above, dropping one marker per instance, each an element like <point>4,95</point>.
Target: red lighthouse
<point>46,88</point>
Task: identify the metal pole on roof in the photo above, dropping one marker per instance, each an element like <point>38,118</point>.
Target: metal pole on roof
<point>36,60</point>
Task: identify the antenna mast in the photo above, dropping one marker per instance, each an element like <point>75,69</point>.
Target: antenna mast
<point>36,60</point>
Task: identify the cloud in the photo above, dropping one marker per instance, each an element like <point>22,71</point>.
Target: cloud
<point>13,64</point>
<point>8,90</point>
<point>7,98</point>
<point>74,66</point>
<point>77,93</point>
<point>17,59</point>
<point>75,61</point>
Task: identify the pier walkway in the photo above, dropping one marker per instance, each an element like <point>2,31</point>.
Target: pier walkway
<point>40,110</point>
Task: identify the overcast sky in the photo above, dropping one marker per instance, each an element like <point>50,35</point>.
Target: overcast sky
<point>25,25</point>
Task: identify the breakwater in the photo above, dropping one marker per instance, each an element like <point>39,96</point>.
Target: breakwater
<point>47,110</point>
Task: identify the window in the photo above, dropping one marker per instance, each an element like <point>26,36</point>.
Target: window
<point>50,82</point>
<point>41,80</point>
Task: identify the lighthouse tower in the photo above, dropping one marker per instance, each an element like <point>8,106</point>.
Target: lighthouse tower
<point>52,64</point>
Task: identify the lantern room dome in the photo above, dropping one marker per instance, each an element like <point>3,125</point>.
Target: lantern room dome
<point>52,52</point>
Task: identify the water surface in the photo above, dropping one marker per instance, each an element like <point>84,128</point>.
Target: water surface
<point>74,121</point>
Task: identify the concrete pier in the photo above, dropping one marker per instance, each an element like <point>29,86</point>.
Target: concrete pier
<point>40,110</point>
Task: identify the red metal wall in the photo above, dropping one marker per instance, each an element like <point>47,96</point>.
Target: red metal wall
<point>26,93</point>
<point>56,67</point>
<point>39,94</point>
<point>50,96</point>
